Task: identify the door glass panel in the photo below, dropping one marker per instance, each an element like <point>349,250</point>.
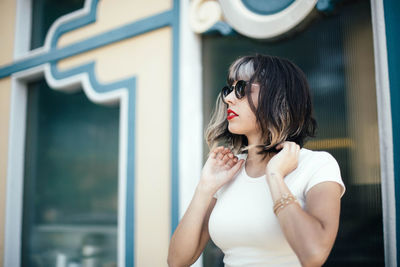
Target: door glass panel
<point>70,180</point>
<point>336,53</point>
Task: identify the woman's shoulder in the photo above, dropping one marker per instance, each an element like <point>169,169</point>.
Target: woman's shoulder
<point>315,156</point>
<point>307,156</point>
<point>321,167</point>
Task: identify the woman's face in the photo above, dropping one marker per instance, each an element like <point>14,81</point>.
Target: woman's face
<point>241,119</point>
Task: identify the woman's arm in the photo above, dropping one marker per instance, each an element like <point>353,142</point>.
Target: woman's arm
<point>191,235</point>
<point>310,233</point>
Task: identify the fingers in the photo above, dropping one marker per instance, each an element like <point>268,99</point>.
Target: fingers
<point>219,153</point>
<point>215,152</point>
<point>224,157</point>
<point>235,168</point>
<point>222,153</point>
<point>232,161</point>
<point>293,150</point>
<point>289,146</point>
<point>280,146</point>
<point>292,147</point>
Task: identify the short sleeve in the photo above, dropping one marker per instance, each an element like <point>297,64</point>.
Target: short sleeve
<point>327,170</point>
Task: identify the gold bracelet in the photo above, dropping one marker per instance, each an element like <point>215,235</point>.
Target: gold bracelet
<point>283,202</point>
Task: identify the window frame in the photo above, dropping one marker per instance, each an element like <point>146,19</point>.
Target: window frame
<point>17,131</point>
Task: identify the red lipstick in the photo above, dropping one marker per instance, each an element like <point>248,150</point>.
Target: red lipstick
<point>231,114</point>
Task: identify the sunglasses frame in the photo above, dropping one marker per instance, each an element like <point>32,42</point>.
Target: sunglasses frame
<point>240,85</point>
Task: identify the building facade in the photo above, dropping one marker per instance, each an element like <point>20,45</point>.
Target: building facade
<point>104,105</point>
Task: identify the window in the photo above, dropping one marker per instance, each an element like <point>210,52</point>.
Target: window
<point>70,180</point>
<point>45,12</point>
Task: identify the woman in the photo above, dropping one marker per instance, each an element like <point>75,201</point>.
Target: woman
<point>264,199</point>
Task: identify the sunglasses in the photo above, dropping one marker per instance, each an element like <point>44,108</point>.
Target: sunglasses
<point>239,88</point>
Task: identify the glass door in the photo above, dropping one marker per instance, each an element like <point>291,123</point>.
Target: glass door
<point>336,53</point>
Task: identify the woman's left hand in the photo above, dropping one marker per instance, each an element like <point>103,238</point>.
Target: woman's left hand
<point>286,160</point>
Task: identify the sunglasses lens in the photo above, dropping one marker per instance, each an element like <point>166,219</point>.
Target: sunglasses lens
<point>226,91</point>
<point>240,89</point>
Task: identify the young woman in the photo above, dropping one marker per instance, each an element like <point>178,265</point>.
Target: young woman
<point>263,198</point>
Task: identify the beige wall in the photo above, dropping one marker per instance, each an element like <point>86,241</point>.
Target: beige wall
<point>5,94</point>
<point>115,13</point>
<point>7,31</point>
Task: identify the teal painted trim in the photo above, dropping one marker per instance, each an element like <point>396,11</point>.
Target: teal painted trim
<point>221,27</point>
<point>267,7</point>
<point>392,24</point>
<point>130,183</point>
<point>127,31</point>
<point>75,24</point>
<point>175,118</point>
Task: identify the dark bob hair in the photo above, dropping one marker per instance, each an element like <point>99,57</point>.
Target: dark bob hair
<point>284,111</point>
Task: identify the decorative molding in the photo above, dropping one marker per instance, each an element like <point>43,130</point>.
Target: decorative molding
<point>221,27</point>
<point>266,7</point>
<point>51,53</point>
<point>259,26</point>
<point>42,62</point>
<point>253,18</point>
<point>204,14</point>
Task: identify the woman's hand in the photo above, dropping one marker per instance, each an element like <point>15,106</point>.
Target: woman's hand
<point>286,160</point>
<point>220,167</point>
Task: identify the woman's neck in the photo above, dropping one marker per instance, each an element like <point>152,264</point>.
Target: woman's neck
<point>256,158</point>
<point>256,163</point>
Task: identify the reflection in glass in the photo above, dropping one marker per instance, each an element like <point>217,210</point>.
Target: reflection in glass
<point>70,179</point>
<point>336,53</point>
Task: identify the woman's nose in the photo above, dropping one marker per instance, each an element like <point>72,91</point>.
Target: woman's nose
<point>230,98</point>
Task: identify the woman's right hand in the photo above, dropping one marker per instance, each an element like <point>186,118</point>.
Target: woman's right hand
<point>220,167</point>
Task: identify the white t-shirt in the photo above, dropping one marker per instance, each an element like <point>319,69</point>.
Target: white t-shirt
<point>242,223</point>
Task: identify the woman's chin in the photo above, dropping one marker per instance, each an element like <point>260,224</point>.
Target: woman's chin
<point>232,129</point>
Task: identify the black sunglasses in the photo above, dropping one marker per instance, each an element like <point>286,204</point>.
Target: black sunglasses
<point>239,88</point>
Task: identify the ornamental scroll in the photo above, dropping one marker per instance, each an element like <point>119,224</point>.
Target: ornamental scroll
<point>258,19</point>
